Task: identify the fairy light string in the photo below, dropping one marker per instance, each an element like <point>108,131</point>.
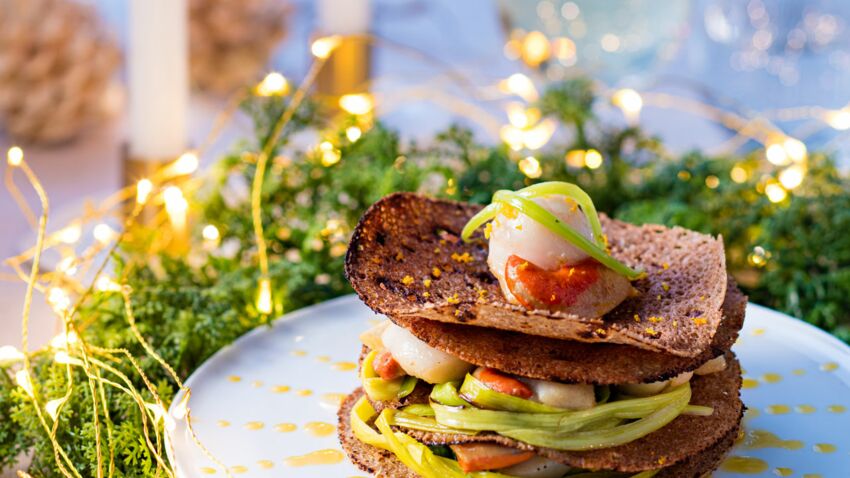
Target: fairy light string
<point>99,365</point>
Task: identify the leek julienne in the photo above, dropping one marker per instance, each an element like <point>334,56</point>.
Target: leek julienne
<point>419,457</point>
<point>521,201</point>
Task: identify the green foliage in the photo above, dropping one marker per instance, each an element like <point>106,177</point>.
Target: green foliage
<point>191,307</point>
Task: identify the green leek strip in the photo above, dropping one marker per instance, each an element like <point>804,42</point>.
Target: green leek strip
<point>575,193</point>
<point>419,409</point>
<point>380,389</point>
<point>415,422</point>
<point>549,221</point>
<point>415,455</point>
<point>446,394</point>
<point>549,423</point>
<point>589,440</point>
<point>478,393</point>
<point>698,411</point>
<point>479,219</point>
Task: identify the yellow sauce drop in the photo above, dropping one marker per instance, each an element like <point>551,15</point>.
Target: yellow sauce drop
<point>266,464</point>
<point>234,378</point>
<point>783,471</point>
<point>257,383</point>
<point>223,423</point>
<point>305,392</point>
<point>829,367</point>
<point>323,358</point>
<point>825,448</point>
<point>320,429</point>
<point>333,399</point>
<point>837,408</point>
<point>778,409</point>
<point>799,372</point>
<point>238,469</point>
<point>299,353</point>
<point>285,427</point>
<point>771,378</point>
<point>805,409</point>
<point>345,366</point>
<point>321,457</point>
<point>255,425</point>
<point>208,471</point>
<point>749,383</point>
<point>281,388</point>
<point>757,332</point>
<point>758,439</point>
<point>744,464</point>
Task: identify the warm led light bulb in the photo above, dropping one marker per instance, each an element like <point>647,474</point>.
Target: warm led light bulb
<point>143,190</point>
<point>357,103</point>
<point>274,84</point>
<point>323,47</point>
<point>530,166</point>
<point>592,159</point>
<point>22,378</point>
<point>15,156</point>
<point>264,296</point>
<point>187,163</point>
<point>353,133</point>
<point>630,103</point>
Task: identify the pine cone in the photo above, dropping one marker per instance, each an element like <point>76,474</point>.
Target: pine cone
<point>56,61</point>
<point>230,41</point>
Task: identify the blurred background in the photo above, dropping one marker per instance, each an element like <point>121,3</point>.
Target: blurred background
<point>85,85</point>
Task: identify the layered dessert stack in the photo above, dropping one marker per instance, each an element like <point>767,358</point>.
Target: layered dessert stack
<point>535,338</point>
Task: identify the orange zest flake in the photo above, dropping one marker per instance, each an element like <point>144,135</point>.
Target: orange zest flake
<point>601,332</point>
<point>659,297</point>
<point>655,319</point>
<point>488,229</point>
<point>399,256</point>
<point>407,280</point>
<point>376,260</point>
<point>662,460</point>
<point>675,323</point>
<point>457,313</point>
<point>426,283</point>
<point>665,266</point>
<point>637,318</point>
<point>426,294</point>
<point>702,297</point>
<point>665,286</point>
<point>465,257</point>
<point>436,272</point>
<point>482,294</point>
<point>699,321</point>
<point>453,299</point>
<point>518,227</point>
<point>437,250</point>
<point>524,266</point>
<point>651,331</point>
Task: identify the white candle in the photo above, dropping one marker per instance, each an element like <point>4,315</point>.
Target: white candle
<point>158,78</point>
<point>343,17</point>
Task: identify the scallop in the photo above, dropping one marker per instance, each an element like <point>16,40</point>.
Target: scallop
<point>420,359</point>
<point>654,388</point>
<point>521,235</point>
<point>562,395</point>
<point>537,467</point>
<point>717,364</point>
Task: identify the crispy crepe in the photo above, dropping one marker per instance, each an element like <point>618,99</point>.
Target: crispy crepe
<point>384,465</point>
<point>406,260</point>
<point>570,361</point>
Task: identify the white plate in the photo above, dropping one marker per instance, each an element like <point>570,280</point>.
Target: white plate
<point>791,368</point>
